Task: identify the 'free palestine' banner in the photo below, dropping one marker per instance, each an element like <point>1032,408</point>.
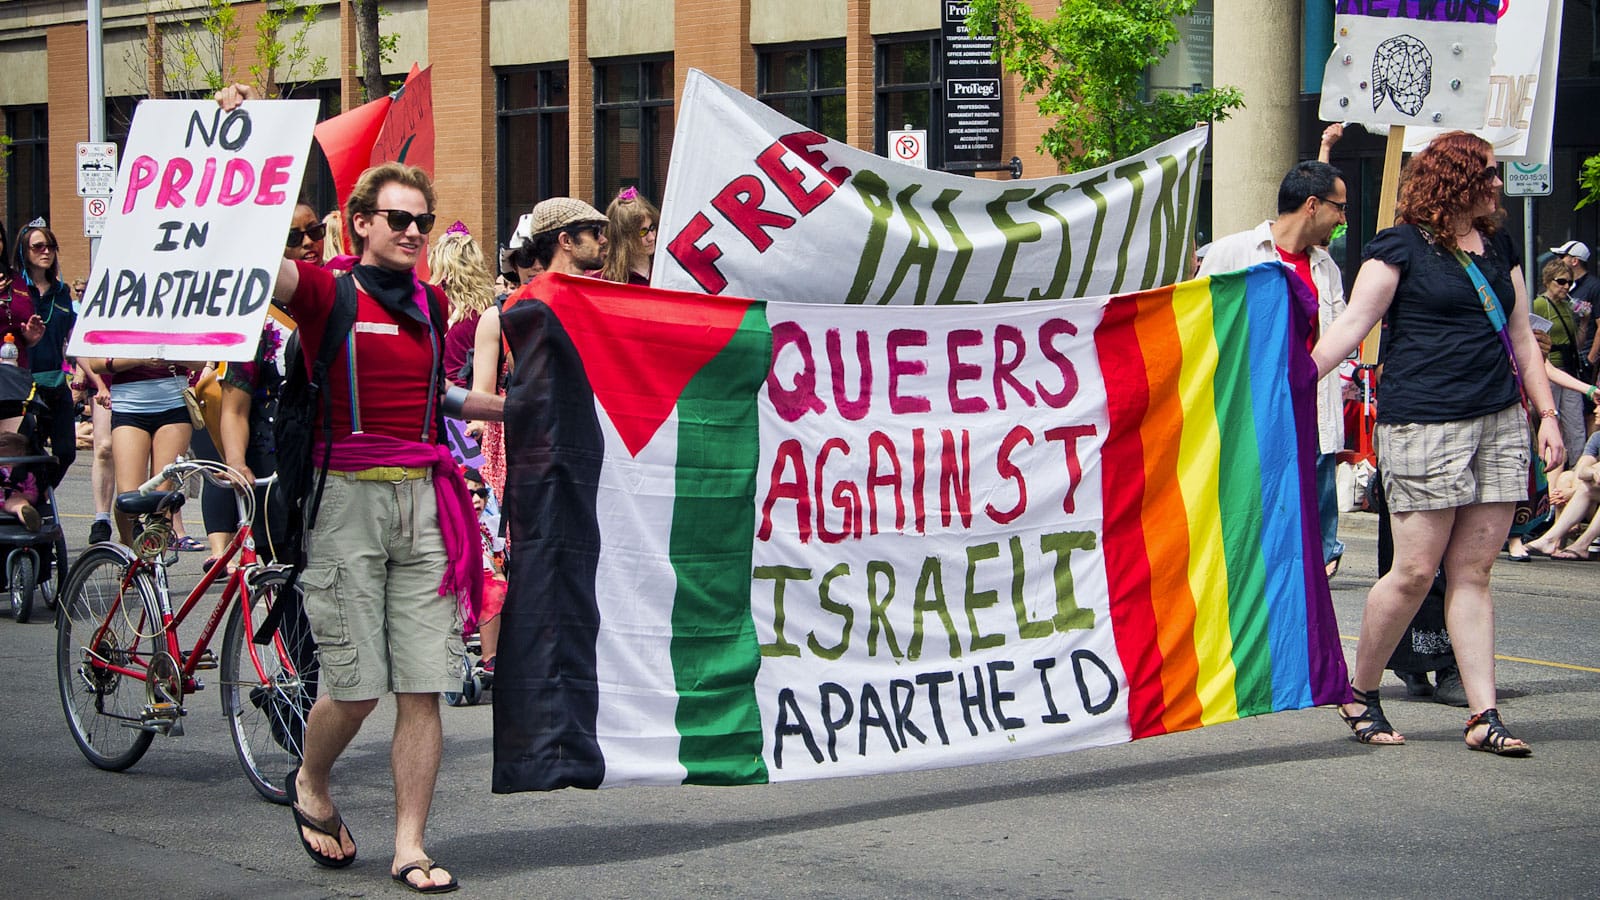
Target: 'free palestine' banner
<point>757,205</point>
<point>759,541</point>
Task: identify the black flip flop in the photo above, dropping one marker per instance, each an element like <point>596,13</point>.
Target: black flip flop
<point>332,827</point>
<point>424,866</point>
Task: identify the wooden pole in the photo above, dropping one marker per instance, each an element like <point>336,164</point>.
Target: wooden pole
<point>1388,197</point>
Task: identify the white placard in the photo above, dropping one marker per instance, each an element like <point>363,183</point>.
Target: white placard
<point>96,168</point>
<point>1521,112</point>
<point>195,234</point>
<point>1407,63</point>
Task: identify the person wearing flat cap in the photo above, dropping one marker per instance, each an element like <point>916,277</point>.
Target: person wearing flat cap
<point>568,236</point>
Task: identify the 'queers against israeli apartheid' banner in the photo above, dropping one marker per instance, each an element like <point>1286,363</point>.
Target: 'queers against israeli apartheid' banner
<point>192,247</point>
<point>758,205</point>
<point>761,541</point>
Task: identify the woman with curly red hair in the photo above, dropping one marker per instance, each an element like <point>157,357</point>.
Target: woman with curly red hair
<point>1452,438</point>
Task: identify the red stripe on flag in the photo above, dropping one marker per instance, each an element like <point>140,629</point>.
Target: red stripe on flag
<point>1133,618</point>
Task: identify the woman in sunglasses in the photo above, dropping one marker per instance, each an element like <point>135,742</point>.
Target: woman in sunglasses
<point>631,238</point>
<point>1452,437</point>
<point>40,274</point>
<point>1555,304</point>
<point>306,233</point>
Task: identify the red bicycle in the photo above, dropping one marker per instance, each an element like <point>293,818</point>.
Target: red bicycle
<point>125,675</point>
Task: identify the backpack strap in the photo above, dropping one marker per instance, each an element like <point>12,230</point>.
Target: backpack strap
<point>341,321</point>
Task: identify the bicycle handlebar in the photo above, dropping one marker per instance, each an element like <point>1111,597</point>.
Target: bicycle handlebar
<point>213,472</point>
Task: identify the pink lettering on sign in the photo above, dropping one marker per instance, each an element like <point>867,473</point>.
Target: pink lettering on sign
<point>176,185</point>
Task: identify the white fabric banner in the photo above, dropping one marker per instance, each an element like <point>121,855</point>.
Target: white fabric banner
<point>758,205</point>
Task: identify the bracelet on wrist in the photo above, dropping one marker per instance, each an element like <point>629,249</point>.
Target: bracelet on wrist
<point>1549,414</point>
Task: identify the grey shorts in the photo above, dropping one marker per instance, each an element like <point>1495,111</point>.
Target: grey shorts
<point>1443,465</point>
<point>372,591</point>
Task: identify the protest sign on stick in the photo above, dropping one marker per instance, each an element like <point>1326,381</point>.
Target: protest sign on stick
<point>1407,62</point>
<point>1520,115</point>
<point>192,247</point>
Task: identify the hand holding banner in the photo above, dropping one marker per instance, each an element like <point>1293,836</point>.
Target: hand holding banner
<point>193,244</point>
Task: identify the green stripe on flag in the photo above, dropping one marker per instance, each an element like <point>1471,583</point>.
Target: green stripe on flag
<point>1240,498</point>
<point>712,545</point>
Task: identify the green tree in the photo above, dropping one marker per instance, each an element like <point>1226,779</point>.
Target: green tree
<point>200,52</point>
<point>1087,67</point>
<point>374,48</point>
<point>1589,182</point>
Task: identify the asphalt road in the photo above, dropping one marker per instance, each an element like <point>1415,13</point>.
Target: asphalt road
<point>1283,805</point>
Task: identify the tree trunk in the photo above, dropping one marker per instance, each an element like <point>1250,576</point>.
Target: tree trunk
<point>366,13</point>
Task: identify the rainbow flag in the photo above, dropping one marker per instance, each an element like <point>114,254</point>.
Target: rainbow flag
<point>758,541</point>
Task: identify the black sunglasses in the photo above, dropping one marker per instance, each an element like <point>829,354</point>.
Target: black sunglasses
<point>297,236</point>
<point>399,220</point>
<point>40,248</point>
<point>576,232</point>
<point>1562,281</point>
<point>481,492</point>
<point>1333,203</point>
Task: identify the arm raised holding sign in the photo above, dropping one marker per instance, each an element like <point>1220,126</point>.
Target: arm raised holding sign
<point>229,98</point>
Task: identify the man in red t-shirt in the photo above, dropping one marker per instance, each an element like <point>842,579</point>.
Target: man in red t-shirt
<point>393,547</point>
<point>1311,201</point>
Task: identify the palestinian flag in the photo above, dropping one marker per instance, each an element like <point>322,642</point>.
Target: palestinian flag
<point>767,541</point>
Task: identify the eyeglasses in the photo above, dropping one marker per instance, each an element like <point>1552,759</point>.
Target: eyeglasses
<point>482,492</point>
<point>576,232</point>
<point>297,236</point>
<point>1491,173</point>
<point>41,248</point>
<point>1562,281</point>
<point>1334,203</point>
<point>399,220</point>
<point>646,231</point>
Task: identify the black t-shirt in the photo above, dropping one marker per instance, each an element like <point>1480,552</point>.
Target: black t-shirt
<point>1442,360</point>
<point>1587,289</point>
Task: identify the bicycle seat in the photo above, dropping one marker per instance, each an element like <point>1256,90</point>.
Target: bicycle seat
<point>136,504</point>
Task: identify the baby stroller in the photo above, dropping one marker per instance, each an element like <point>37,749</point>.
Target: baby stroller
<point>30,558</point>
<point>475,682</point>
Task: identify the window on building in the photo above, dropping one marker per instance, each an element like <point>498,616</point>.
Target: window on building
<point>119,118</point>
<point>806,83</point>
<point>632,127</point>
<point>27,165</point>
<point>532,141</point>
<point>910,92</point>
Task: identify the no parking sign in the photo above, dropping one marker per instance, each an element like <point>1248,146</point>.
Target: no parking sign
<point>909,148</point>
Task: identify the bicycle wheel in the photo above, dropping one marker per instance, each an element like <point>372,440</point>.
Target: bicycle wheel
<point>268,689</point>
<point>23,578</point>
<point>98,624</point>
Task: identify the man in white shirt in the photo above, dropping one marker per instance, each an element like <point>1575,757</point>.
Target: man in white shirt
<point>1311,202</point>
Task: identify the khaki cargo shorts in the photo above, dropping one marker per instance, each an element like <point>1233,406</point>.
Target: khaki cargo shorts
<point>372,591</point>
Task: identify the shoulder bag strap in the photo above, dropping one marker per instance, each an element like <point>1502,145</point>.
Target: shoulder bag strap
<point>1496,313</point>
